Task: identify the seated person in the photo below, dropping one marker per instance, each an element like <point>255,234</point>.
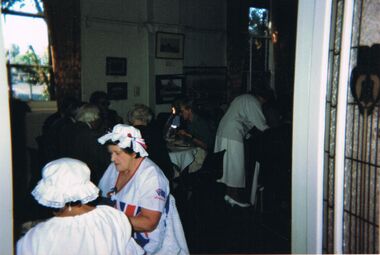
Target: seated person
<point>194,129</point>
<point>52,128</point>
<point>66,108</point>
<point>135,185</point>
<point>77,226</point>
<point>198,130</point>
<point>109,116</point>
<point>80,141</point>
<point>141,118</point>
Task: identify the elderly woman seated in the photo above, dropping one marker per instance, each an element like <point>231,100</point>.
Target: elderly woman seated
<point>77,227</point>
<point>141,118</point>
<point>135,185</point>
<point>80,141</point>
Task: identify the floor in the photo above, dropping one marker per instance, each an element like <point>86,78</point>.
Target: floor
<point>213,227</point>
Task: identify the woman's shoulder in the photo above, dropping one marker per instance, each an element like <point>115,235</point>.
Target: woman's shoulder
<point>150,167</point>
<point>111,171</point>
<point>42,231</point>
<point>151,170</point>
<point>105,212</point>
<point>106,209</point>
<point>107,181</point>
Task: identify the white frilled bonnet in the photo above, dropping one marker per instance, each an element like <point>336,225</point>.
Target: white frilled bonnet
<point>128,137</point>
<point>65,180</point>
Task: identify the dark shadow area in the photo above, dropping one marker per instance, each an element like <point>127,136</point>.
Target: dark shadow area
<point>213,227</point>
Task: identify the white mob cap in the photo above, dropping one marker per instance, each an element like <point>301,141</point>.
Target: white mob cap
<point>128,137</point>
<point>65,180</point>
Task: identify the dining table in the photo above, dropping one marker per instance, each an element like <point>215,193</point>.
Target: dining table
<point>181,154</point>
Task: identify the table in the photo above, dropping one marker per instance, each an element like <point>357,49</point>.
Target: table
<point>182,157</point>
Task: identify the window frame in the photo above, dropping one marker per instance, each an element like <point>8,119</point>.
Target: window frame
<point>51,87</point>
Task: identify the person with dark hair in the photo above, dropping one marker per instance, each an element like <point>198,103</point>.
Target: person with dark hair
<point>67,107</point>
<point>109,116</point>
<point>141,117</point>
<point>78,227</point>
<point>135,185</point>
<point>243,114</point>
<point>48,142</point>
<point>197,129</point>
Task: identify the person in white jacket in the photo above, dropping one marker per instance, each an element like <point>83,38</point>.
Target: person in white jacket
<point>244,113</point>
<point>77,227</point>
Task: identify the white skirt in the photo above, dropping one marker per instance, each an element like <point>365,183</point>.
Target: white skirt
<point>233,162</point>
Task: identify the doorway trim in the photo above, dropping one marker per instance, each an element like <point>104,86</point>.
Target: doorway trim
<point>312,45</point>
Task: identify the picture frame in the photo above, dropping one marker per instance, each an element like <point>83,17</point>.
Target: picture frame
<point>116,66</point>
<point>169,45</point>
<point>117,90</point>
<point>168,87</point>
<point>206,84</point>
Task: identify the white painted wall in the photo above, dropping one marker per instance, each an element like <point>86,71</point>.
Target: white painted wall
<point>6,219</point>
<point>127,29</point>
<point>206,32</point>
<point>115,29</point>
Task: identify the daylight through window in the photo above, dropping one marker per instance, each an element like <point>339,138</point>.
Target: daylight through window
<point>27,50</point>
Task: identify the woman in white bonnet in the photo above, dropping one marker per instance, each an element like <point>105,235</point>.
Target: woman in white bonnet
<point>135,185</point>
<point>77,227</point>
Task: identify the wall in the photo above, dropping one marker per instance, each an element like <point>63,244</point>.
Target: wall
<point>128,28</point>
<point>6,221</point>
<point>114,28</point>
<point>205,32</point>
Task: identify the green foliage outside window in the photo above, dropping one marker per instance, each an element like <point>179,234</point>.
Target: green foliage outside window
<point>29,71</point>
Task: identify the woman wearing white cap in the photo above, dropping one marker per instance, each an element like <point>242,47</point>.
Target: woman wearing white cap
<point>135,185</point>
<point>77,228</point>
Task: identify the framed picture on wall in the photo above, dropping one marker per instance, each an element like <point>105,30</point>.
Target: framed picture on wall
<point>116,66</point>
<point>169,45</point>
<point>168,87</point>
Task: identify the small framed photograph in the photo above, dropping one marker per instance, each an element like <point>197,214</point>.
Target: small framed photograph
<point>117,90</point>
<point>169,45</point>
<point>168,87</point>
<point>116,66</point>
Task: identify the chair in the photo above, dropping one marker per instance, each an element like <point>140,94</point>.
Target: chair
<point>200,198</point>
<point>210,171</point>
<point>213,165</point>
<point>161,120</point>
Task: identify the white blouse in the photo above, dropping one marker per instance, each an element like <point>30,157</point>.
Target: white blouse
<point>103,230</point>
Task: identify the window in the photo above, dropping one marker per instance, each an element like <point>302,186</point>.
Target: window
<point>258,22</point>
<point>259,30</point>
<point>27,50</point>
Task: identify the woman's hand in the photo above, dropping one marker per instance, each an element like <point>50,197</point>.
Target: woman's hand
<point>145,221</point>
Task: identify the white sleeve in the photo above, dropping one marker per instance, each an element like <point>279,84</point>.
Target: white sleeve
<point>255,114</point>
<point>106,181</point>
<point>22,248</point>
